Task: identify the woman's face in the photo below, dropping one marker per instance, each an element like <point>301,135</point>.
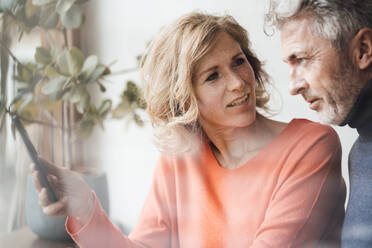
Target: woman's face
<point>224,84</point>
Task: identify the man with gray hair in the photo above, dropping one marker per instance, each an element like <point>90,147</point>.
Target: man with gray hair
<point>328,47</point>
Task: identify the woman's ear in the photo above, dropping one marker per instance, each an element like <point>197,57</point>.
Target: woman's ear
<point>361,48</point>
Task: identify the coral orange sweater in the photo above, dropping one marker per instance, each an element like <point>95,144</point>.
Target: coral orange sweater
<point>291,194</point>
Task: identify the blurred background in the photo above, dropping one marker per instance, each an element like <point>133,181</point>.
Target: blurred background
<point>118,32</point>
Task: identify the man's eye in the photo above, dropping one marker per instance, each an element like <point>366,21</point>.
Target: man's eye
<point>212,77</point>
<point>300,60</point>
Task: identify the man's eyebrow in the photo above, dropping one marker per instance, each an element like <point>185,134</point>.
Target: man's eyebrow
<point>297,53</point>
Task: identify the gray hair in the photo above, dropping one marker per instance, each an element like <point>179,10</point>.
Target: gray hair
<point>334,20</point>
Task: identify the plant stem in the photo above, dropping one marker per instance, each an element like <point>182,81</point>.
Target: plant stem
<point>51,140</point>
<point>69,147</point>
<point>63,135</point>
<point>13,56</point>
<point>64,31</point>
<point>4,71</point>
<point>4,63</point>
<point>122,71</point>
<point>49,38</point>
<point>43,123</point>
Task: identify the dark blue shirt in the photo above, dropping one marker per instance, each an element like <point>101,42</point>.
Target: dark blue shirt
<point>357,229</point>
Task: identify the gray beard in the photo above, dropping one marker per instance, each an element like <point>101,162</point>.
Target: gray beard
<point>346,86</point>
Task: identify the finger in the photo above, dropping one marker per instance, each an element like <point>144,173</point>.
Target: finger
<point>62,211</point>
<point>43,198</point>
<point>36,181</point>
<point>56,208</point>
<point>32,167</point>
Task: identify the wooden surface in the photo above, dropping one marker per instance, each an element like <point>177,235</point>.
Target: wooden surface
<point>25,238</point>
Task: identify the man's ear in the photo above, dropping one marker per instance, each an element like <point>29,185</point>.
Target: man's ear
<point>361,48</point>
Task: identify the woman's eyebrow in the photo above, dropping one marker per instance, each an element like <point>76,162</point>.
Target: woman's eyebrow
<point>207,70</point>
<point>237,55</point>
<point>215,66</point>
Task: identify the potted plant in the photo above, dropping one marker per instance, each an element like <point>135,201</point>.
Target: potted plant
<point>55,90</point>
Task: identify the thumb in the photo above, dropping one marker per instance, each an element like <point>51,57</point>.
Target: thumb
<point>56,185</point>
<point>53,180</point>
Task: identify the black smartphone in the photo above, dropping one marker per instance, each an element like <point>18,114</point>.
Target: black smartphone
<point>34,157</point>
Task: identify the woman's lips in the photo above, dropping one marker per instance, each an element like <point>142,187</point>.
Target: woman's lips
<point>239,101</point>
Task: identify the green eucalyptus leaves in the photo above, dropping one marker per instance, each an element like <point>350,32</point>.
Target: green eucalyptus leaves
<point>61,74</point>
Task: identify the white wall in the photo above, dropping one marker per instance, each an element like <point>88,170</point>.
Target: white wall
<point>119,30</point>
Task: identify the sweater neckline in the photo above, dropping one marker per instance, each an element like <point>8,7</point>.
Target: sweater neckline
<point>214,165</point>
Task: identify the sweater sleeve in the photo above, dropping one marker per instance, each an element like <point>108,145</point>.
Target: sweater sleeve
<point>98,232</point>
<point>151,230</point>
<point>308,200</point>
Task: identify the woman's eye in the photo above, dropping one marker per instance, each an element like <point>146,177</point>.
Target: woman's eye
<point>239,61</point>
<point>212,77</point>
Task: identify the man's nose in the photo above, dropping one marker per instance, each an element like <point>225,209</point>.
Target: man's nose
<point>297,83</point>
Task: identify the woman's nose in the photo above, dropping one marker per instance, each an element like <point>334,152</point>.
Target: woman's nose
<point>235,82</point>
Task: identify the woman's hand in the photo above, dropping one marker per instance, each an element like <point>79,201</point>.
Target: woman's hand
<point>75,198</point>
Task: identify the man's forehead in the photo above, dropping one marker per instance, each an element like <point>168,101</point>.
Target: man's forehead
<point>296,37</point>
<point>296,28</point>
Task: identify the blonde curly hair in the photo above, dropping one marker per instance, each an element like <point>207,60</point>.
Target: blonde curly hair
<point>167,72</point>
